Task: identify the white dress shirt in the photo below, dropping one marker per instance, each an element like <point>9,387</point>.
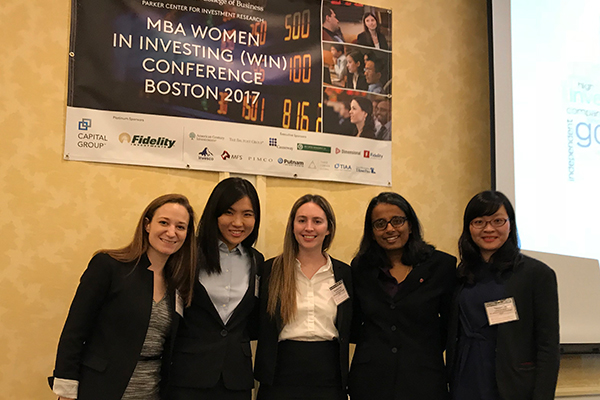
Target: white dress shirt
<point>227,289</point>
<point>317,311</point>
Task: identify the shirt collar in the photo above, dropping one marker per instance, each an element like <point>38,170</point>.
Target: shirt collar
<point>324,268</point>
<point>239,248</point>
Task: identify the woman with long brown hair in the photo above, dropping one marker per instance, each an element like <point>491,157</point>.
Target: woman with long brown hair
<point>305,311</point>
<point>124,314</point>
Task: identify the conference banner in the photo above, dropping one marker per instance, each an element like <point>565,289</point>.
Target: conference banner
<point>288,88</point>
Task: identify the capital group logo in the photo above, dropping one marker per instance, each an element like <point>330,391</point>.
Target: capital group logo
<point>85,124</point>
<point>205,155</point>
<point>290,163</point>
<point>160,142</point>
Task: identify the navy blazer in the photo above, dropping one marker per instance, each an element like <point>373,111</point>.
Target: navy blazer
<point>270,328</point>
<point>400,341</point>
<point>527,350</point>
<point>207,349</point>
<point>103,335</point>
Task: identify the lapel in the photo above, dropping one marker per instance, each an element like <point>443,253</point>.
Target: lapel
<point>341,308</point>
<point>205,302</point>
<point>417,277</point>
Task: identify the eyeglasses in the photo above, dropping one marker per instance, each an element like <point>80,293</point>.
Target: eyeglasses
<point>396,222</point>
<point>479,223</point>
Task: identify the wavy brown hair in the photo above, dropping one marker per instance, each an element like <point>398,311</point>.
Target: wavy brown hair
<point>180,269</point>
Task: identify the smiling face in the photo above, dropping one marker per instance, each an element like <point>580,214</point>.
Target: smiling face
<point>382,111</point>
<point>371,22</point>
<point>357,115</point>
<point>489,239</point>
<point>310,227</point>
<point>391,239</point>
<point>167,230</point>
<point>371,75</point>
<point>237,223</point>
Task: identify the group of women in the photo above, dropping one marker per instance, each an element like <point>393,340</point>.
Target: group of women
<point>171,315</point>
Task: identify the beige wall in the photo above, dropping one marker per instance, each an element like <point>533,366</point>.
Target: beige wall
<point>55,214</point>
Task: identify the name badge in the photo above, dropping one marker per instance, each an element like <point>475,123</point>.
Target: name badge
<point>256,285</point>
<point>339,293</point>
<point>178,303</point>
<point>501,311</point>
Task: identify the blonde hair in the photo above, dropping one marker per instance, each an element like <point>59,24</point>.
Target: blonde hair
<point>282,284</point>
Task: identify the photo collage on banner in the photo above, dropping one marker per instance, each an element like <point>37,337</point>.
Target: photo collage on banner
<point>246,86</point>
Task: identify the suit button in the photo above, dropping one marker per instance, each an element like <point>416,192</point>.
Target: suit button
<point>394,350</point>
<point>393,328</point>
<point>224,332</point>
<point>393,306</point>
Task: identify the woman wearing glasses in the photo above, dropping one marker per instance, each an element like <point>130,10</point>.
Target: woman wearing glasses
<point>402,291</point>
<point>504,328</point>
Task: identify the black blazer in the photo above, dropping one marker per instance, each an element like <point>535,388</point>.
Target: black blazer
<point>206,349</point>
<point>365,39</point>
<point>361,83</point>
<point>400,341</point>
<point>527,350</point>
<point>269,328</point>
<point>102,339</point>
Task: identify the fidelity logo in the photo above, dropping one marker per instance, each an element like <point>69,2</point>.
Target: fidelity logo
<point>343,167</point>
<point>226,156</point>
<point>147,141</point>
<point>206,155</point>
<point>344,151</point>
<point>290,163</point>
<point>369,154</point>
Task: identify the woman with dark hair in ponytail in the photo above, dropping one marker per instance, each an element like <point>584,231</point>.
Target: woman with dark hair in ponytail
<point>504,336</point>
<point>361,115</point>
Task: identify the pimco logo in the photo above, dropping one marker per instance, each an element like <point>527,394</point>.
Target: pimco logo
<point>205,155</point>
<point>225,155</point>
<point>260,159</point>
<point>290,163</point>
<point>85,124</point>
<point>147,141</point>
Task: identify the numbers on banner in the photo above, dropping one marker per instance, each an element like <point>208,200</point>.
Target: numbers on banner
<point>302,120</point>
<point>238,95</point>
<point>318,125</point>
<point>260,29</point>
<point>299,28</point>
<point>300,68</point>
<point>250,111</point>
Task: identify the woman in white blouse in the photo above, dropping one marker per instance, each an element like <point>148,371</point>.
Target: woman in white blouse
<point>305,311</point>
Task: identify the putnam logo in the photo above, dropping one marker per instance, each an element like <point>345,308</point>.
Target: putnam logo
<point>290,163</point>
<point>149,141</point>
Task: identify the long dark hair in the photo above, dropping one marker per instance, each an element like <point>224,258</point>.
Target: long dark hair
<point>485,204</point>
<point>180,269</point>
<point>370,14</point>
<point>367,106</point>
<point>415,250</point>
<point>223,196</point>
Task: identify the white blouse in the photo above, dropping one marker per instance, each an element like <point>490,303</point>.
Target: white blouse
<point>317,311</point>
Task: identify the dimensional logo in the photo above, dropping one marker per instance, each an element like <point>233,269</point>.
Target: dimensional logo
<point>85,124</point>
